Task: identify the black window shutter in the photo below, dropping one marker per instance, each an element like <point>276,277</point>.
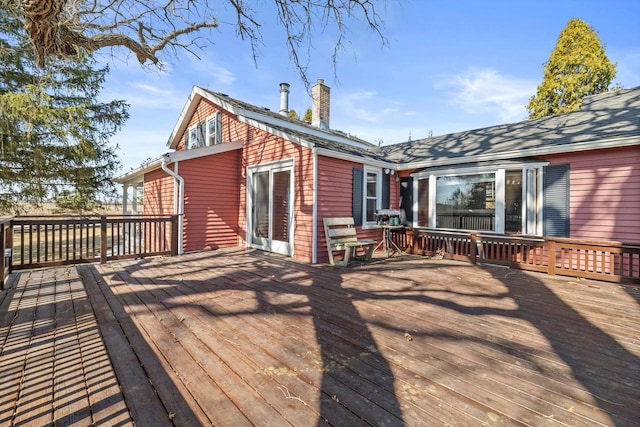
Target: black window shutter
<point>556,201</point>
<point>219,127</point>
<point>356,200</point>
<point>202,134</point>
<point>386,191</point>
<point>406,200</point>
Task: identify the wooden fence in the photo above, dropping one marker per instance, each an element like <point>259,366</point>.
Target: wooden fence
<point>38,241</point>
<point>598,260</point>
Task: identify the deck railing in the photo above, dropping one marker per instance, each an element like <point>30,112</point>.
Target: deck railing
<point>44,241</point>
<point>598,260</point>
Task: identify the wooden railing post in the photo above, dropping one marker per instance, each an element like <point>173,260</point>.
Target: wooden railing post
<point>103,239</point>
<point>9,244</point>
<point>473,250</point>
<point>409,235</point>
<point>174,235</point>
<point>551,257</point>
<point>4,258</point>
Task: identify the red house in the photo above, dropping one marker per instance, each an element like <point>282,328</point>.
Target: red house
<point>242,175</point>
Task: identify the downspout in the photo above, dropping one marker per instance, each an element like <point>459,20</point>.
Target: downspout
<point>178,201</point>
<point>314,209</point>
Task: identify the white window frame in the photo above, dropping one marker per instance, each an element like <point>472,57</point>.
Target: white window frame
<point>529,213</point>
<point>192,141</point>
<point>378,172</point>
<point>217,119</point>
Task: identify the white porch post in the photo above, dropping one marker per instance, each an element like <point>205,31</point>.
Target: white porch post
<point>125,190</point>
<point>134,200</point>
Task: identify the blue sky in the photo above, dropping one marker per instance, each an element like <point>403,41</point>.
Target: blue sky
<point>448,66</point>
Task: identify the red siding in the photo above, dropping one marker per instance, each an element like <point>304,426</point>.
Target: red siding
<point>211,203</point>
<point>215,188</point>
<point>604,193</point>
<point>158,193</point>
<point>335,182</point>
<point>262,147</point>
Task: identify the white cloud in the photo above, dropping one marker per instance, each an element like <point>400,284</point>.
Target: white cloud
<point>154,96</point>
<point>482,91</point>
<point>214,74</point>
<point>367,106</point>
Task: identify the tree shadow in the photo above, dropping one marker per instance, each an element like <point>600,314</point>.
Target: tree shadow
<point>609,372</point>
<point>356,383</point>
<point>598,361</point>
<point>374,399</point>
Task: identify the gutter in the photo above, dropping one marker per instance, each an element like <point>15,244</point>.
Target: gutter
<point>356,159</point>
<point>178,198</point>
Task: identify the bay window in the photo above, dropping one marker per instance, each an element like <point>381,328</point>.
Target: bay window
<point>496,199</point>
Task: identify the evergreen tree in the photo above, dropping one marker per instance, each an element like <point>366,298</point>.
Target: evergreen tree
<point>577,67</point>
<point>53,130</point>
<point>293,115</point>
<point>308,116</point>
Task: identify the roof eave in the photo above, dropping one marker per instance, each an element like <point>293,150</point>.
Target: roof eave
<point>136,176</point>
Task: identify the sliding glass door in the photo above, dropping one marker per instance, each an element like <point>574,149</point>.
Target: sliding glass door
<point>270,207</point>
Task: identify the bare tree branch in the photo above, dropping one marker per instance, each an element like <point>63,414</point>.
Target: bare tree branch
<point>59,28</point>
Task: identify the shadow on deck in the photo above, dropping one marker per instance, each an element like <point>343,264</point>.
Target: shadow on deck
<point>236,337</point>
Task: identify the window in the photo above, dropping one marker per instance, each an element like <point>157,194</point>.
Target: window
<point>371,191</point>
<point>192,141</point>
<point>513,201</point>
<point>466,202</point>
<point>502,200</point>
<point>373,194</point>
<point>195,136</point>
<point>423,202</point>
<point>205,133</point>
<point>214,129</point>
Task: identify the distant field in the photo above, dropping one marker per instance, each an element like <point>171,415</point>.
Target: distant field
<point>50,209</point>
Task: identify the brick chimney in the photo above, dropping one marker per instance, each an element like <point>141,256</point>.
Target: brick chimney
<point>320,105</point>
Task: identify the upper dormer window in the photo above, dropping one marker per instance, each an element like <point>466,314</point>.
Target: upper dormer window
<point>192,140</point>
<point>208,132</point>
<point>214,129</point>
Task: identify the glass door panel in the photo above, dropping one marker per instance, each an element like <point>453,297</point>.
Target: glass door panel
<point>260,216</point>
<point>281,206</point>
<point>281,223</point>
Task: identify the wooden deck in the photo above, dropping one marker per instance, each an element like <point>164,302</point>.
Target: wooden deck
<point>236,337</point>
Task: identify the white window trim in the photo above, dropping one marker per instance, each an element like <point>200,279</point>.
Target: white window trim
<point>378,172</point>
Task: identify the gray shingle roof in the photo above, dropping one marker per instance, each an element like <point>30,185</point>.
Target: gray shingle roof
<point>614,115</point>
<point>267,112</point>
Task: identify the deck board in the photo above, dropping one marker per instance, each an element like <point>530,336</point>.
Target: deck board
<point>240,337</point>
